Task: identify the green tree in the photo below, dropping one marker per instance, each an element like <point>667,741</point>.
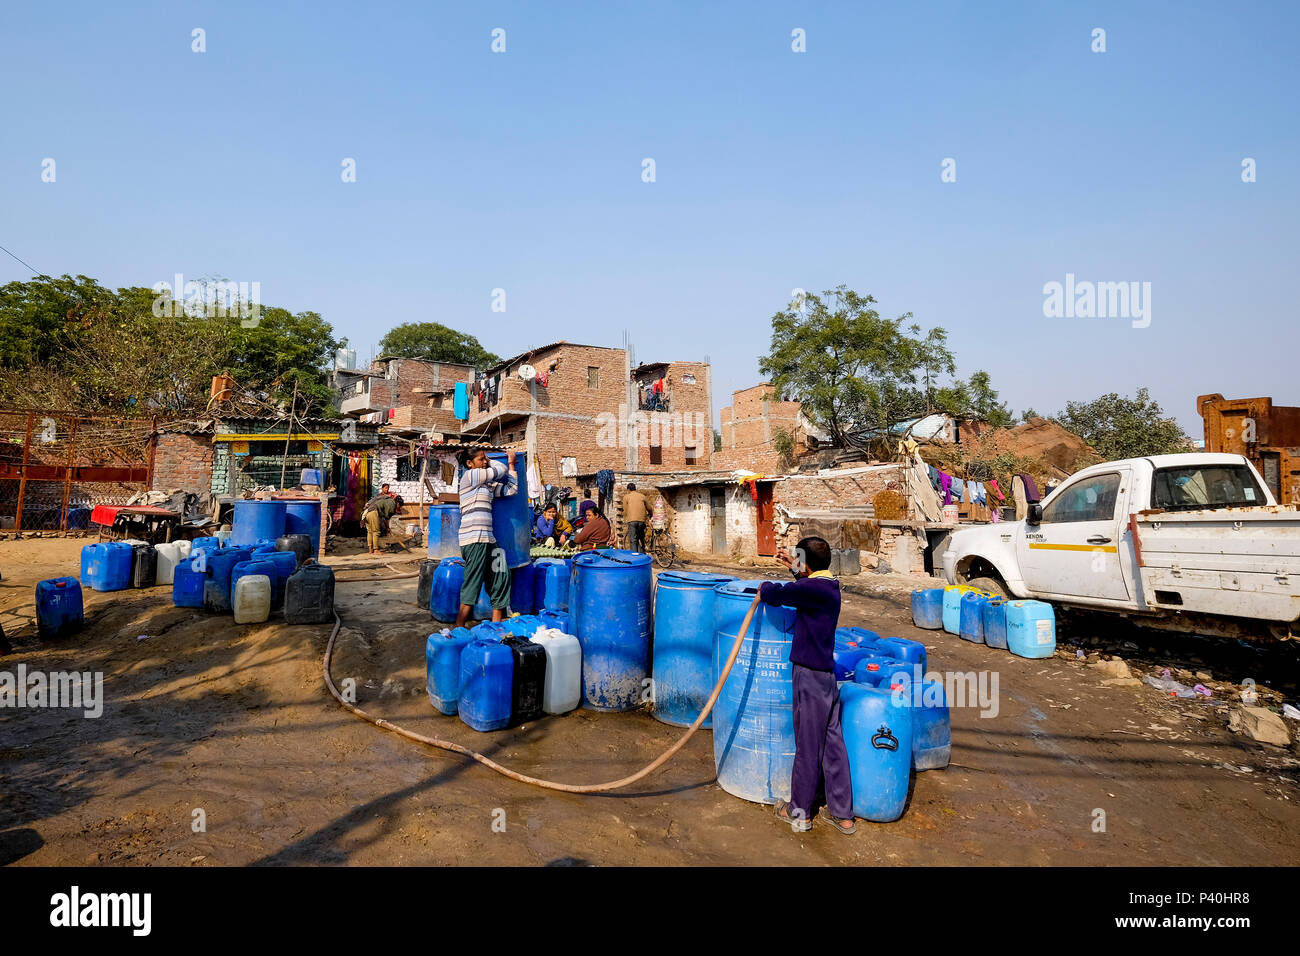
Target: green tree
<point>435,343</point>
<point>974,399</point>
<point>38,317</point>
<point>1122,427</point>
<point>848,367</point>
<point>72,344</point>
<point>285,349</point>
<point>853,370</point>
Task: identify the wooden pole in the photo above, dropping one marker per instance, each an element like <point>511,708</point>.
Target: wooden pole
<point>289,434</point>
<point>22,480</point>
<point>424,467</point>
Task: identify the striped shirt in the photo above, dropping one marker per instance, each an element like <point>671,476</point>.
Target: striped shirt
<point>478,486</point>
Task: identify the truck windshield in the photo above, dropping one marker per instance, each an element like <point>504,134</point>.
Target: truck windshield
<point>1205,486</point>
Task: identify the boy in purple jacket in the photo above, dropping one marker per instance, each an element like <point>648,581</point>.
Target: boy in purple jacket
<point>819,754</point>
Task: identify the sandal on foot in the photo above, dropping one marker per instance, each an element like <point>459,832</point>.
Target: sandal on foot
<point>798,824</point>
<point>835,822</point>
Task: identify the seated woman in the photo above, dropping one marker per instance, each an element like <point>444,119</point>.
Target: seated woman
<point>595,533</point>
<point>552,528</point>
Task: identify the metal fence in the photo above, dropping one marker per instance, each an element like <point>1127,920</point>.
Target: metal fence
<point>56,466</point>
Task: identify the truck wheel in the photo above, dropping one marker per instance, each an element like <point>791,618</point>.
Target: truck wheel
<point>991,585</point>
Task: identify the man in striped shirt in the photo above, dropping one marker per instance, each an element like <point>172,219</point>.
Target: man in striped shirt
<point>480,482</point>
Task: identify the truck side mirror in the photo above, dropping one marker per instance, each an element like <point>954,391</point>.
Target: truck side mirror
<point>1035,515</point>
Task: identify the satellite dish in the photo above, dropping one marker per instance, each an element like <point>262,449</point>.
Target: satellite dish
<point>527,373</point>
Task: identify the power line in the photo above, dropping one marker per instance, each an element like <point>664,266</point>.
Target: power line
<point>16,259</point>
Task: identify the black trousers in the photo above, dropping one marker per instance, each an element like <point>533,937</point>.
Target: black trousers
<point>636,532</point>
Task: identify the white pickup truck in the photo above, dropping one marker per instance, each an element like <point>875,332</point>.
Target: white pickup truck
<point>1189,542</point>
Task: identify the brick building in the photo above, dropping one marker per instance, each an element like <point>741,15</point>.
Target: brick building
<point>585,409</point>
<point>749,427</point>
<point>183,459</point>
<point>408,393</point>
<point>713,512</point>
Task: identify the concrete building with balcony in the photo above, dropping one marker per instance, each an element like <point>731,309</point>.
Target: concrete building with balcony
<point>409,394</point>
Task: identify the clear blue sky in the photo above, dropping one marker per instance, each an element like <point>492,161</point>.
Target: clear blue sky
<point>775,169</point>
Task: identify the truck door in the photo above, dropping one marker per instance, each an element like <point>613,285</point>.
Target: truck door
<point>1074,551</point>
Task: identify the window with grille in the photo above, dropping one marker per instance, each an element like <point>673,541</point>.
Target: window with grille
<point>406,471</point>
<point>690,454</point>
<point>593,376</point>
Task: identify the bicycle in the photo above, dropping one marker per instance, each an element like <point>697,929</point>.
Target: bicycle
<point>660,546</point>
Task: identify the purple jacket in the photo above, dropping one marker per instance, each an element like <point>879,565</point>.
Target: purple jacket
<point>817,601</point>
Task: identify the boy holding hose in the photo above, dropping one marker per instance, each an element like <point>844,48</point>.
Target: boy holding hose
<point>819,755</point>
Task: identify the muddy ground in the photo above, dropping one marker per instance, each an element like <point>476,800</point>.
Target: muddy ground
<point>203,715</point>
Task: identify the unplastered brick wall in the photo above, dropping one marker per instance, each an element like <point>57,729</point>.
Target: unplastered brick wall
<point>182,461</point>
<point>560,438</point>
<point>425,418</point>
<point>764,461</point>
<point>572,414</point>
<point>748,427</point>
<point>828,490</point>
<point>687,423</point>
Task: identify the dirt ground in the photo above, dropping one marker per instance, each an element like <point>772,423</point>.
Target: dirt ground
<point>207,719</point>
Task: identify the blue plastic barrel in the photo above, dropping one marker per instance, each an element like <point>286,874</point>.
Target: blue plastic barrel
<point>59,608</point>
<point>303,517</point>
<point>286,562</point>
<point>203,543</point>
<point>971,622</point>
<point>492,631</point>
<point>106,566</point>
<point>952,596</point>
<point>444,531</point>
<point>882,671</point>
<point>995,622</point>
<point>216,589</point>
<point>1031,629</point>
<point>683,645</point>
<point>187,586</point>
<point>753,720</point>
<point>849,648</point>
<point>555,619</point>
<point>610,613</point>
<point>522,581</point>
<point>900,648</point>
<point>486,675</point>
<point>552,583</point>
<point>927,608</point>
<point>878,730</point>
<point>312,476</point>
<point>444,604</point>
<point>442,654</point>
<point>255,522</point>
<point>512,517</point>
<point>931,728</point>
<point>866,637</point>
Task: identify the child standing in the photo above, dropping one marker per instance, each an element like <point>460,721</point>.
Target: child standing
<point>819,754</point>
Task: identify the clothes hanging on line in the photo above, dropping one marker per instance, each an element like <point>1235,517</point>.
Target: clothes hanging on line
<point>1031,489</point>
<point>993,483</point>
<point>945,485</point>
